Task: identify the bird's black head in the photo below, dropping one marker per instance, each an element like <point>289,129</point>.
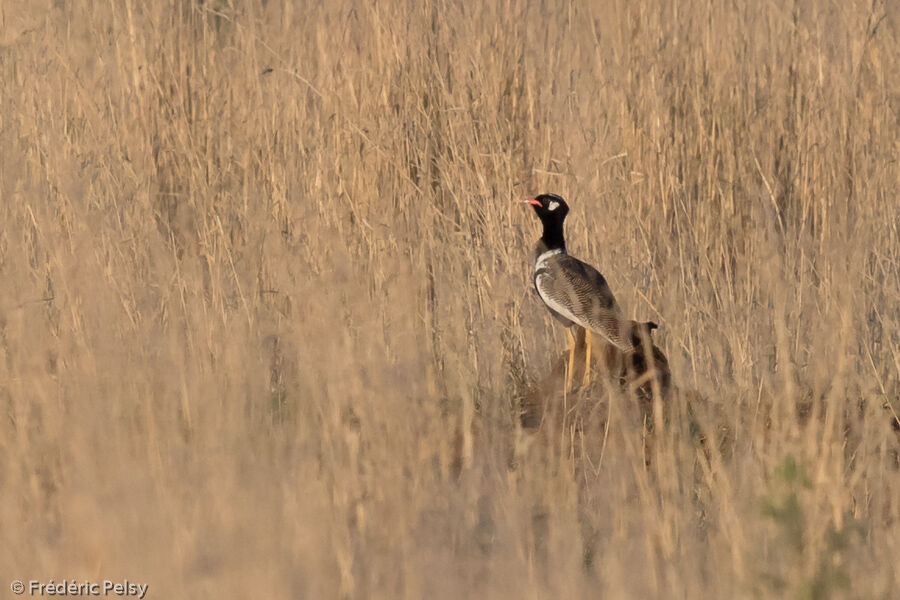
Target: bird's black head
<point>552,210</point>
<point>550,206</point>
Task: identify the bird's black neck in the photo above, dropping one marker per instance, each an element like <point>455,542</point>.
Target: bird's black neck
<point>553,236</point>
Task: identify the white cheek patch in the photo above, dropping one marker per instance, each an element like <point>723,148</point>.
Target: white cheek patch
<point>553,205</point>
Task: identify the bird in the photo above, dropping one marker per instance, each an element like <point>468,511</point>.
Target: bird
<point>576,293</point>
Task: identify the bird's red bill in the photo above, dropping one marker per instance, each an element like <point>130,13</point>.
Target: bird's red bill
<point>534,202</point>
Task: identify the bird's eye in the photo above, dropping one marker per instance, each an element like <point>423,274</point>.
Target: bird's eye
<point>553,204</point>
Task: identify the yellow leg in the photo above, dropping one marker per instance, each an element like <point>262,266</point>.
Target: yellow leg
<point>587,358</point>
<point>570,368</point>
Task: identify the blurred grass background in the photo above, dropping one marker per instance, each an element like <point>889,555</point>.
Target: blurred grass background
<point>266,316</point>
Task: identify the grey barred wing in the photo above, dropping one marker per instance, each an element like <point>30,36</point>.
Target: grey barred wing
<point>578,292</point>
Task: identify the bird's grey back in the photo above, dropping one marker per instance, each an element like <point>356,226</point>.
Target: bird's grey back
<point>580,293</point>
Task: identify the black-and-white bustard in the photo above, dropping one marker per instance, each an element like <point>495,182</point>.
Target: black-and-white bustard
<point>575,292</point>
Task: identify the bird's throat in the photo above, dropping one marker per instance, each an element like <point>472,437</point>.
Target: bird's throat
<point>553,236</point>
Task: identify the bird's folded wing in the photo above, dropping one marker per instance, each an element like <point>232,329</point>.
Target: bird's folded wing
<point>579,292</point>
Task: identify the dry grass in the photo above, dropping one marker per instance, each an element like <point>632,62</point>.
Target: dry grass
<point>265,313</point>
